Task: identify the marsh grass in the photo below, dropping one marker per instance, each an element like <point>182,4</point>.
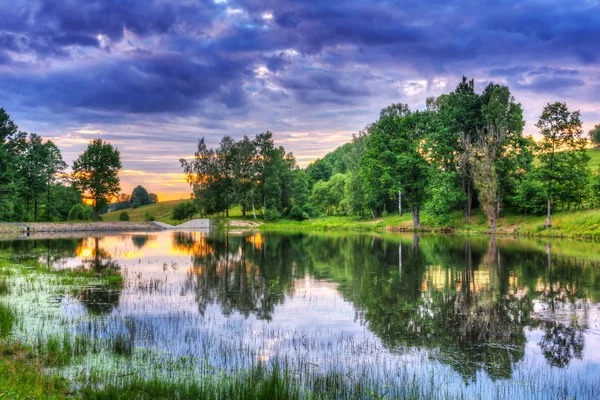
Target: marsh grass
<point>115,355</point>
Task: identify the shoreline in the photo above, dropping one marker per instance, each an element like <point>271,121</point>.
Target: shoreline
<point>50,227</point>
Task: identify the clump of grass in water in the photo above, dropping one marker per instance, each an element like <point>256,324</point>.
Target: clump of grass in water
<point>4,288</point>
<point>7,320</point>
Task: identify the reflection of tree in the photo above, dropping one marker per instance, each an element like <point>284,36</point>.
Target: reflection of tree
<point>139,241</point>
<point>99,259</point>
<point>467,300</point>
<point>562,342</point>
<point>236,273</point>
<point>99,300</point>
<point>47,251</point>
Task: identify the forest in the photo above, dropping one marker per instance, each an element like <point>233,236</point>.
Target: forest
<point>35,184</point>
<point>465,150</point>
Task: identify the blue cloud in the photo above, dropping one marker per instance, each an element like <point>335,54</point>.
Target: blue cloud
<point>244,66</point>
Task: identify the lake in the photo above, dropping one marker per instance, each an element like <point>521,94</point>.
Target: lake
<point>377,315</point>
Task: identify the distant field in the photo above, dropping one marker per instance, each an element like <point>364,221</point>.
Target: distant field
<point>594,158</point>
<point>161,211</point>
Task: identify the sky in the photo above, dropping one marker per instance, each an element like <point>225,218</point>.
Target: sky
<point>153,76</point>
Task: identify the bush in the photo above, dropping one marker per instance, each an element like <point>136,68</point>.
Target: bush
<point>530,197</point>
<point>79,212</point>
<point>183,210</point>
<point>298,214</point>
<point>124,216</point>
<point>272,215</point>
<point>135,204</point>
<point>148,216</point>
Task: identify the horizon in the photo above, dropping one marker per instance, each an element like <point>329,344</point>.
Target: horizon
<point>156,77</point>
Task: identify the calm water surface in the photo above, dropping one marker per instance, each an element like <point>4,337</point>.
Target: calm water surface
<point>468,316</point>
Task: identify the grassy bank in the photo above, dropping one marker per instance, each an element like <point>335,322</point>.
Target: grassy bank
<point>583,225</point>
<point>160,211</point>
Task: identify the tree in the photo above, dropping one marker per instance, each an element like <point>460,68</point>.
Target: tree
<point>183,210</point>
<point>562,149</point>
<point>202,177</point>
<point>245,156</point>
<point>95,173</point>
<point>124,216</point>
<point>502,126</point>
<point>54,172</point>
<point>153,197</point>
<point>595,135</point>
<point>8,129</point>
<point>451,146</point>
<point>394,163</point>
<point>140,194</point>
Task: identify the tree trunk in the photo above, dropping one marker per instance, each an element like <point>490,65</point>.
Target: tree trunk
<point>548,222</point>
<point>372,215</point>
<point>469,199</point>
<point>48,206</point>
<point>253,209</point>
<point>265,206</point>
<point>464,190</point>
<point>498,208</point>
<point>35,208</point>
<point>493,223</point>
<point>416,217</point>
<point>400,203</point>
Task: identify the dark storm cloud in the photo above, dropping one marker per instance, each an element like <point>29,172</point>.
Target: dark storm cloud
<point>244,66</point>
<point>144,84</point>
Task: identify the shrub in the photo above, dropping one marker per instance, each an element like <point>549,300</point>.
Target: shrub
<point>124,216</point>
<point>272,214</point>
<point>148,216</point>
<point>298,214</point>
<point>135,204</point>
<point>183,210</point>
<point>79,212</point>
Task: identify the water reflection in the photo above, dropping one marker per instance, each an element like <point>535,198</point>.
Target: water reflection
<point>476,305</point>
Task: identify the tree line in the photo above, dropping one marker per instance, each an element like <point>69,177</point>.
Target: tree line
<point>35,184</point>
<point>464,150</point>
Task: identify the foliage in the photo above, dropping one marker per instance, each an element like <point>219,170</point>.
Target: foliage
<point>79,212</point>
<point>595,135</point>
<point>249,172</point>
<point>184,210</point>
<point>124,216</point>
<point>298,214</point>
<point>530,196</point>
<point>148,216</point>
<point>140,195</point>
<point>563,161</point>
<point>95,173</point>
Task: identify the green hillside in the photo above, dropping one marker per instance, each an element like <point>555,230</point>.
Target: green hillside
<point>161,211</point>
<point>594,158</point>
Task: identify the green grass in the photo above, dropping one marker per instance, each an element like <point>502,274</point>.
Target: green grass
<point>583,224</point>
<point>161,211</point>
<point>594,154</point>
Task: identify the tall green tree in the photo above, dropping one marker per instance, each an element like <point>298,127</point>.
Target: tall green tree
<point>54,173</point>
<point>95,173</point>
<point>562,150</point>
<point>394,164</point>
<point>244,170</point>
<point>8,129</point>
<point>31,156</point>
<point>202,175</point>
<point>452,145</point>
<point>140,194</point>
<point>595,135</point>
<point>493,156</point>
